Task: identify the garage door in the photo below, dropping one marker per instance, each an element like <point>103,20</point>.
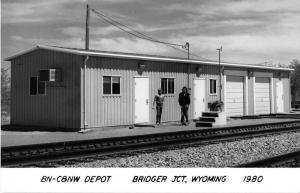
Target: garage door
<point>234,97</point>
<point>262,95</point>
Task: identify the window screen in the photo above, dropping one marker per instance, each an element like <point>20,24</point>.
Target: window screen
<point>212,86</point>
<point>170,86</point>
<point>167,85</point>
<point>115,85</point>
<point>106,85</point>
<point>111,85</point>
<point>164,85</point>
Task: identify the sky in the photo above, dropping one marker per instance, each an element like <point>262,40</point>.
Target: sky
<point>249,31</point>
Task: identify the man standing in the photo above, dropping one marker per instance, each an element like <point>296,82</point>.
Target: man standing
<point>184,102</point>
<point>159,100</point>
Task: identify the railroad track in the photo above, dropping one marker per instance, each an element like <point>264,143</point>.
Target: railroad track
<point>285,160</point>
<point>22,156</point>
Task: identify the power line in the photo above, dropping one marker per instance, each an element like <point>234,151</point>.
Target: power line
<point>108,21</point>
<point>141,35</point>
<point>112,23</point>
<point>137,32</point>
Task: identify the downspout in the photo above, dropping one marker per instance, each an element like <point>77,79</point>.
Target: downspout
<point>187,44</point>
<point>188,76</point>
<point>84,92</point>
<point>290,95</point>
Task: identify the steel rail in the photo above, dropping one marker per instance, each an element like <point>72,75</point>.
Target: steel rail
<point>28,154</point>
<point>291,159</point>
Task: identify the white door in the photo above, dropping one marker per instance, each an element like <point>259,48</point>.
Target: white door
<point>262,95</point>
<point>142,102</point>
<point>199,97</point>
<point>234,96</point>
<point>279,97</point>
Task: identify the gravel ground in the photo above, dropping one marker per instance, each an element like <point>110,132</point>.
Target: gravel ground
<point>215,155</point>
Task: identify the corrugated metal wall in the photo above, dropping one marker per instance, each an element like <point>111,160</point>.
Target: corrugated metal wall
<point>119,110</point>
<point>286,90</point>
<point>61,105</point>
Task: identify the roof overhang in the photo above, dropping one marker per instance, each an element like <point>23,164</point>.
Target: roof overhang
<point>141,57</point>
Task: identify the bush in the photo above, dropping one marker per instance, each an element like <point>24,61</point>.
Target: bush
<point>217,106</point>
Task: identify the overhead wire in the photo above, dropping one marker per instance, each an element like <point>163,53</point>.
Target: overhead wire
<point>141,35</point>
<point>137,32</point>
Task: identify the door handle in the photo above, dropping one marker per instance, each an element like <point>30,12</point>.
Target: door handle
<point>147,101</point>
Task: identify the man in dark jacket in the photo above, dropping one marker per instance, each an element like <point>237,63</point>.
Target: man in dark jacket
<point>184,102</point>
<point>159,100</point>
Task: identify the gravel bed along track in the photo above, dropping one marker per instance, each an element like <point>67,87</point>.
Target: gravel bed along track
<point>225,154</point>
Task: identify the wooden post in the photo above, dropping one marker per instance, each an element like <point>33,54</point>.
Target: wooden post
<point>220,73</point>
<point>87,31</point>
<point>187,46</point>
<point>87,27</point>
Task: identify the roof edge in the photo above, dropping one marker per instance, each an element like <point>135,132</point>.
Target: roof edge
<point>21,53</point>
<point>152,58</point>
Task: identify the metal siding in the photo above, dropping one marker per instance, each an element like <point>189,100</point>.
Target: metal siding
<point>251,95</point>
<point>119,110</point>
<point>235,99</point>
<point>286,94</point>
<point>60,107</point>
<point>208,72</point>
<point>272,91</point>
<point>63,105</point>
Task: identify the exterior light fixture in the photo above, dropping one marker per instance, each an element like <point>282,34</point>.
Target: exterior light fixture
<point>141,66</point>
<point>280,75</point>
<point>199,70</point>
<point>250,74</point>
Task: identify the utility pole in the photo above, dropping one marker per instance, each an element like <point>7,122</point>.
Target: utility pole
<point>87,28</point>
<point>187,47</point>
<point>220,73</point>
<point>87,44</point>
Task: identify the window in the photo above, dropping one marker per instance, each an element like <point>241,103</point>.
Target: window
<point>37,87</point>
<point>111,85</point>
<point>167,85</point>
<point>212,86</point>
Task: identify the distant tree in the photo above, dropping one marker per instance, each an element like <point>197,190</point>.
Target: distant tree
<point>295,79</point>
<point>5,84</point>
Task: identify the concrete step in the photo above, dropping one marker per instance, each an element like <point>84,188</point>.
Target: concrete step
<point>204,124</point>
<point>207,119</point>
<point>210,114</point>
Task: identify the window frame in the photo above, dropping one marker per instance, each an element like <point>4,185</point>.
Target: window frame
<point>209,87</point>
<point>168,94</point>
<point>37,87</point>
<point>111,95</point>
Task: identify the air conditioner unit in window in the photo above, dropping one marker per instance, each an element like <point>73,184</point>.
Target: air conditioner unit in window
<point>51,75</point>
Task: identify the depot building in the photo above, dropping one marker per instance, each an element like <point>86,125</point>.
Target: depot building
<point>74,88</point>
